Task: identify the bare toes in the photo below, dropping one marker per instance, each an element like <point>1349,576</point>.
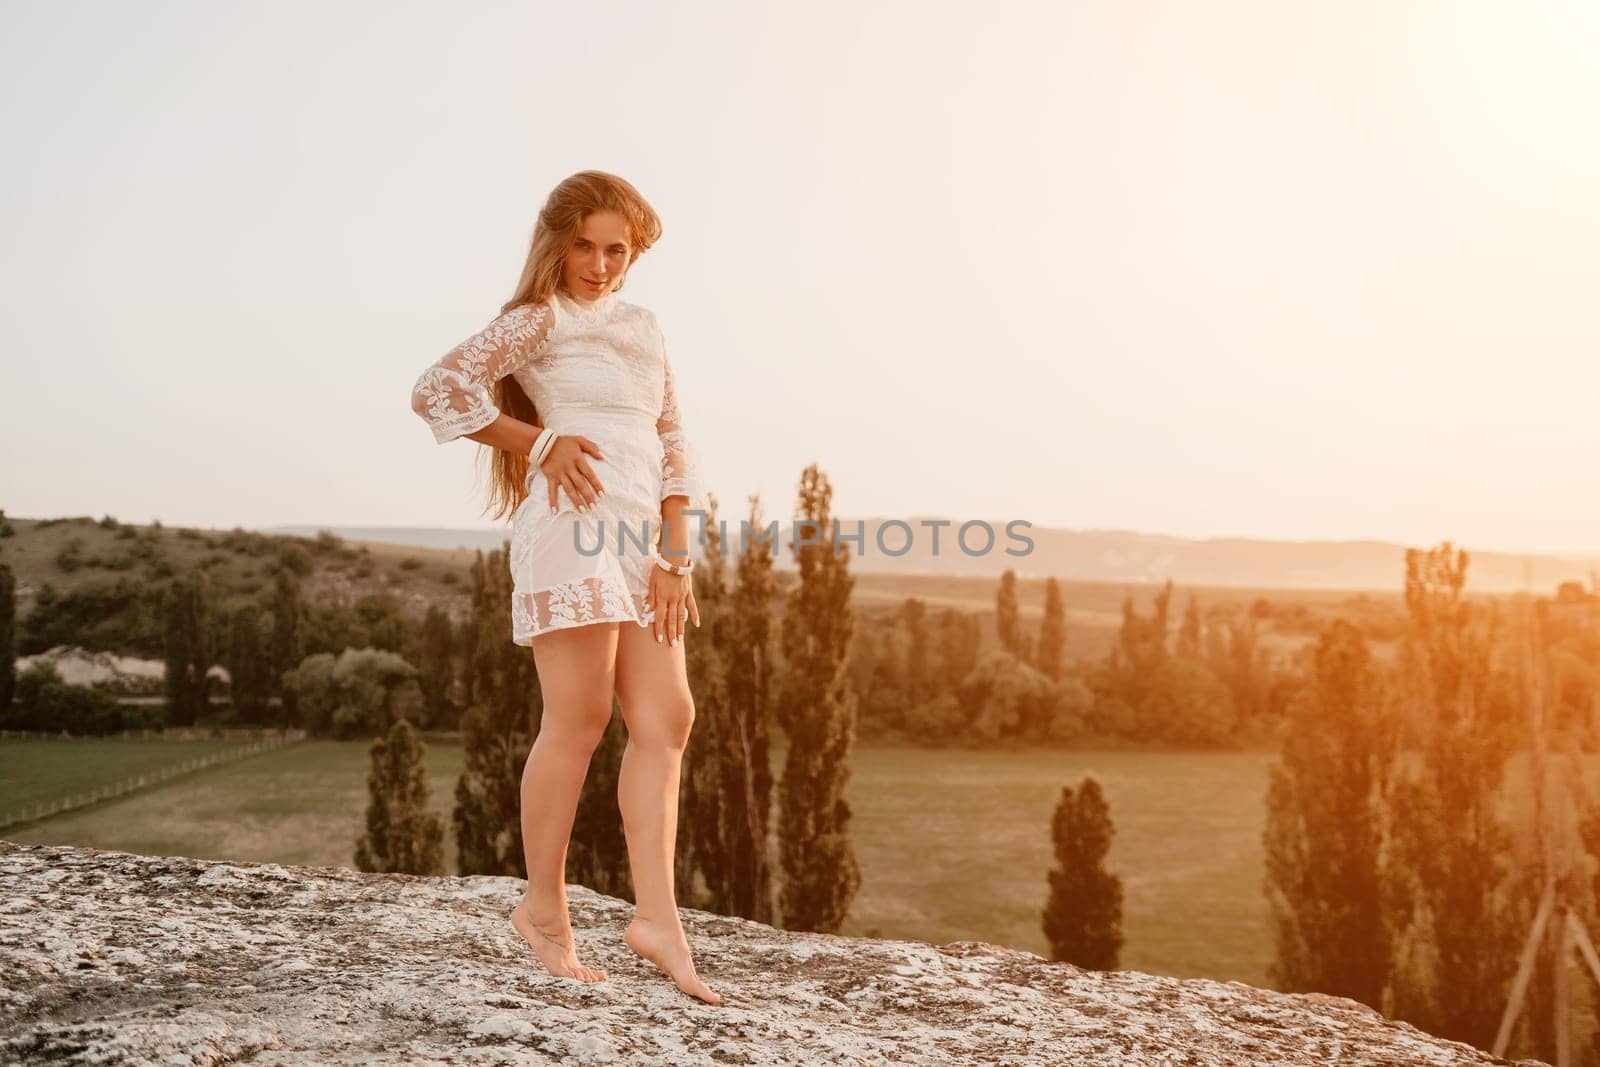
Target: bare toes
<point>699,989</point>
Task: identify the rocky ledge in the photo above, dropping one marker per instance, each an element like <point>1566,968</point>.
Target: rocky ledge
<point>113,958</point>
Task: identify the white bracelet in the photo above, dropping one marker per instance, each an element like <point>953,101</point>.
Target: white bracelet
<point>541,446</point>
<point>661,561</point>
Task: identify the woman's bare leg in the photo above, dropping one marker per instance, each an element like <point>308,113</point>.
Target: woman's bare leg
<point>577,669</point>
<point>653,687</point>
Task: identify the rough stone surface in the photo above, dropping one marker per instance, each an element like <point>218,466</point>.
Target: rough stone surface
<point>115,958</point>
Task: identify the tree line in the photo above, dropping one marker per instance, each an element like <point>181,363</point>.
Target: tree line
<point>1420,814</point>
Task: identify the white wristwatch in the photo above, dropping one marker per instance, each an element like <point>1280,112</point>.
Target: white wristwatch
<point>661,561</point>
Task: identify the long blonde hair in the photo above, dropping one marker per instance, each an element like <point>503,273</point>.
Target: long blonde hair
<point>568,204</point>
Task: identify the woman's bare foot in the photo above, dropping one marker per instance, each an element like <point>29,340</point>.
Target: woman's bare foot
<point>553,943</point>
<point>668,949</point>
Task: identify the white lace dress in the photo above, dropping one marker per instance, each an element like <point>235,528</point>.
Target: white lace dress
<point>598,369</point>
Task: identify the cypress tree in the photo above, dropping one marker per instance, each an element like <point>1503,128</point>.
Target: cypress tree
<point>249,663</point>
<point>1007,620</point>
<point>740,878</point>
<point>1457,937</point>
<point>1138,655</point>
<point>187,648</point>
<point>1324,827</point>
<point>498,730</point>
<point>288,636</point>
<point>1189,631</point>
<point>1083,913</point>
<point>818,714</point>
<point>436,670</point>
<point>1555,826</point>
<point>471,634</point>
<point>702,792</point>
<point>1052,631</point>
<point>402,835</point>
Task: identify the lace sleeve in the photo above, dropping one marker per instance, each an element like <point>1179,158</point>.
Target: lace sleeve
<point>453,396</point>
<point>681,474</point>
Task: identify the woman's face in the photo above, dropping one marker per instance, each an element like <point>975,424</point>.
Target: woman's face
<point>598,257</point>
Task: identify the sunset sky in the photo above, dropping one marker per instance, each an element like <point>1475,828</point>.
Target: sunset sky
<point>1280,270</point>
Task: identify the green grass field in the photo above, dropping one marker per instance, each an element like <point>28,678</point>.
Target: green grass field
<point>953,845</point>
<point>304,804</point>
<point>36,771</point>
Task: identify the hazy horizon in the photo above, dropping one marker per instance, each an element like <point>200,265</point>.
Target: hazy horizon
<point>1279,272</point>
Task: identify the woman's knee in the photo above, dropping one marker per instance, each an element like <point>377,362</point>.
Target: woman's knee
<point>665,723</point>
<point>579,725</point>
<point>685,720</point>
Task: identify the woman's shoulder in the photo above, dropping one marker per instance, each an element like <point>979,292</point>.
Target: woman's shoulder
<point>632,310</point>
<point>529,315</point>
<point>635,318</point>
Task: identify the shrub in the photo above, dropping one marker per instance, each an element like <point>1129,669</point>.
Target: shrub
<point>354,694</point>
<point>1189,705</point>
<point>1071,710</point>
<point>121,615</point>
<point>44,702</point>
<point>1006,698</point>
<point>1112,716</point>
<point>328,542</point>
<point>940,716</point>
<point>248,543</point>
<point>294,558</point>
<point>71,557</point>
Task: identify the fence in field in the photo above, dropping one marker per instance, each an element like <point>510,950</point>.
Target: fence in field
<point>111,790</point>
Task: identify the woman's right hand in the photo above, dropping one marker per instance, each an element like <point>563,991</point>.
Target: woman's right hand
<point>567,467</point>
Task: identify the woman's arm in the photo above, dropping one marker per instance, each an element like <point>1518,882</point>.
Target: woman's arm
<point>565,466</point>
<point>680,473</point>
<point>682,490</point>
<point>507,433</point>
<point>452,395</point>
<point>673,594</point>
<point>675,528</point>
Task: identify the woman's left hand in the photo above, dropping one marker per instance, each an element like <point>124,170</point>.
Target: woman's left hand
<point>669,595</point>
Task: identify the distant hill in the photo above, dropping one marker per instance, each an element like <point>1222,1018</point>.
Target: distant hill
<point>1289,589</point>
<point>1108,556</point>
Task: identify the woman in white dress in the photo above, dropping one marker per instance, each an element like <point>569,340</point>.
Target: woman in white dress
<point>572,388</point>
